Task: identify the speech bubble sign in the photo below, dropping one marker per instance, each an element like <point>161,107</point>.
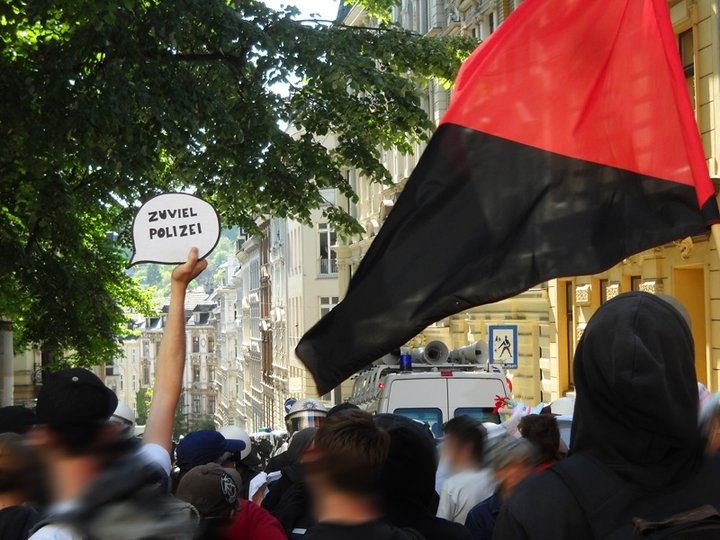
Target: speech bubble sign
<point>168,225</point>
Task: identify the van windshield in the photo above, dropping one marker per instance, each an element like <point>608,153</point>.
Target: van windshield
<point>430,416</point>
<point>482,414</point>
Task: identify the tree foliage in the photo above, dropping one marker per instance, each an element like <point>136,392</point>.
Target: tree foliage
<point>107,103</point>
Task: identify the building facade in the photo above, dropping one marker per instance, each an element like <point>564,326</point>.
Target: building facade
<point>288,279</point>
<point>229,381</point>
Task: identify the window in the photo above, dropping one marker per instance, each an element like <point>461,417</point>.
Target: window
<point>481,414</point>
<point>121,383</point>
<point>146,374</point>
<point>196,344</point>
<point>196,373</point>
<point>635,282</point>
<point>211,374</point>
<point>327,303</point>
<point>196,405</point>
<point>328,258</point>
<point>146,349</point>
<point>211,405</point>
<point>687,55</point>
<point>134,386</point>
<point>109,370</point>
<point>430,416</point>
<point>211,344</point>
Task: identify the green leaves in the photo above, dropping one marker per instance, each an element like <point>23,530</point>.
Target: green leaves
<point>108,103</point>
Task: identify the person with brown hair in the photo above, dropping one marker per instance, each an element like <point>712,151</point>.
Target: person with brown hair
<point>19,474</point>
<point>543,432</point>
<point>344,470</point>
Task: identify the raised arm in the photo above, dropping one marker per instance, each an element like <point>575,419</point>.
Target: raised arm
<point>171,359</point>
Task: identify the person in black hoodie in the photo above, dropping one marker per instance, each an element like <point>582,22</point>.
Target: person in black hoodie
<point>635,448</point>
<point>408,480</point>
<point>288,499</point>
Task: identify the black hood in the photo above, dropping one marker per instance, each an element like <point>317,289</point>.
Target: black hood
<point>637,397</point>
<point>408,479</point>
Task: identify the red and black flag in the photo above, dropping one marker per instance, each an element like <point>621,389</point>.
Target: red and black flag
<point>570,143</point>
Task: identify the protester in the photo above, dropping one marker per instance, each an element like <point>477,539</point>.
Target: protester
<point>408,480</point>
<point>543,432</point>
<point>344,475</point>
<point>246,462</point>
<point>288,498</point>
<point>124,417</point>
<point>636,450</point>
<point>340,407</point>
<point>19,474</point>
<point>203,447</point>
<point>16,419</point>
<point>86,456</point>
<point>512,461</point>
<point>215,492</point>
<point>469,482</point>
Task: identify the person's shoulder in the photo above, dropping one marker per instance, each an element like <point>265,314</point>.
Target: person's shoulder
<point>482,508</point>
<point>154,454</point>
<point>56,532</point>
<point>537,484</point>
<point>531,508</point>
<point>256,522</point>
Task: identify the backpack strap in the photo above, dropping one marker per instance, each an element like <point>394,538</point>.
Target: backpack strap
<point>602,495</point>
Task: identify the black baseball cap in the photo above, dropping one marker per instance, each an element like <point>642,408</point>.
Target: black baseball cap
<point>74,397</point>
<point>16,419</point>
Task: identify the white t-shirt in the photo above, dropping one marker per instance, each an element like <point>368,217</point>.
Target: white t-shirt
<point>462,491</point>
<point>150,453</point>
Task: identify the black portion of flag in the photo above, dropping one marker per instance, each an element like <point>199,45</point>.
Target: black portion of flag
<point>481,219</point>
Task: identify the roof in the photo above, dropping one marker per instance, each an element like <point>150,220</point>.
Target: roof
<point>344,8</point>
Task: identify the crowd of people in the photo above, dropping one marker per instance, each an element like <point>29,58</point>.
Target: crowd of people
<point>643,458</point>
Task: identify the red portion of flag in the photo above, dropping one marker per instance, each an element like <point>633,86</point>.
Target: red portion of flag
<point>594,80</point>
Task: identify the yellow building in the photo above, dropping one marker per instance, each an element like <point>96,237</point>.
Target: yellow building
<point>552,317</point>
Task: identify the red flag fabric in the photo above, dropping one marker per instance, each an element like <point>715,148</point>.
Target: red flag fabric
<point>597,81</point>
<point>570,143</point>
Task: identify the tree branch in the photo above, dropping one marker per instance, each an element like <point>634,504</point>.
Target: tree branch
<point>362,28</point>
<point>236,61</point>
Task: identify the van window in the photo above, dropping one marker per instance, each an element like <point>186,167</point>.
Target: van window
<point>482,414</point>
<point>430,416</point>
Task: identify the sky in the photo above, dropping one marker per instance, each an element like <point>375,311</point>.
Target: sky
<point>326,9</point>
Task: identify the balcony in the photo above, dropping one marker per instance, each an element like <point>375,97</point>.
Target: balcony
<point>328,267</point>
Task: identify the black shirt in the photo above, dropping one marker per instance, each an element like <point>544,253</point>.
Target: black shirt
<point>375,530</point>
<point>16,522</point>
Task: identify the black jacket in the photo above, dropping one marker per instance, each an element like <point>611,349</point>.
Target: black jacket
<point>408,481</point>
<point>636,414</point>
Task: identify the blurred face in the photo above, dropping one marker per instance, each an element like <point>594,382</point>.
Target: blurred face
<point>303,420</point>
<point>456,455</point>
<point>512,474</point>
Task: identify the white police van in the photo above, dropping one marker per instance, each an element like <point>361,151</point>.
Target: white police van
<point>437,386</point>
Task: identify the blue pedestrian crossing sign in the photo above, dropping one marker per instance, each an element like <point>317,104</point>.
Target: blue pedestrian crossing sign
<point>504,345</point>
